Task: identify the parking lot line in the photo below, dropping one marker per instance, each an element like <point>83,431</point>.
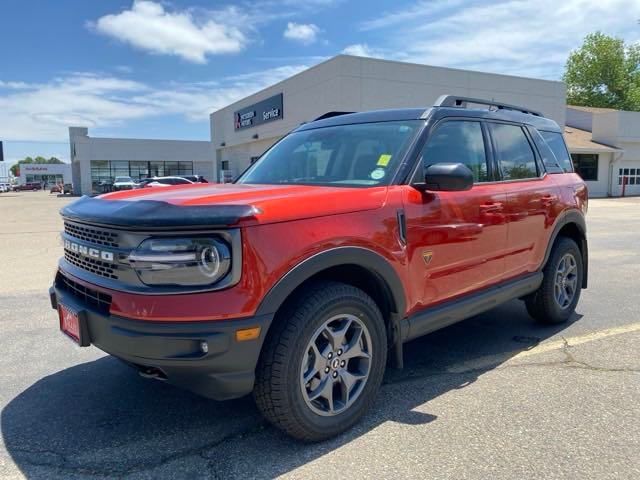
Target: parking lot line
<point>564,342</point>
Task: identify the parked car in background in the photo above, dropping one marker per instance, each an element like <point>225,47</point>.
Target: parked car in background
<point>123,183</point>
<point>195,178</point>
<point>104,187</point>
<point>5,187</point>
<point>28,186</point>
<point>60,188</point>
<point>163,182</point>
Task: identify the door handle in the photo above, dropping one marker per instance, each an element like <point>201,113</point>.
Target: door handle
<point>491,207</point>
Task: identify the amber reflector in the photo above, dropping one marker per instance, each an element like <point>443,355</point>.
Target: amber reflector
<point>247,334</point>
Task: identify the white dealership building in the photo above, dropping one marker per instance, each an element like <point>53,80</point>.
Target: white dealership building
<point>604,143</point>
<point>44,173</point>
<point>242,131</point>
<point>605,147</point>
<point>96,161</point>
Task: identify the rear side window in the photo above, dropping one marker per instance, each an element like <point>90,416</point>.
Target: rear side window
<point>513,152</point>
<point>559,149</point>
<point>458,141</point>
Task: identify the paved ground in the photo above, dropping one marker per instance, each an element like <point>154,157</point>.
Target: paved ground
<point>493,397</point>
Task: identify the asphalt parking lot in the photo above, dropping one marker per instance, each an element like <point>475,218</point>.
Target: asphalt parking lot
<point>494,397</point>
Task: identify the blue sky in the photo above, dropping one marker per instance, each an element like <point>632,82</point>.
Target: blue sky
<point>156,69</point>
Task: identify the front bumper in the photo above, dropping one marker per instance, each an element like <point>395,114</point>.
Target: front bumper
<point>172,351</point>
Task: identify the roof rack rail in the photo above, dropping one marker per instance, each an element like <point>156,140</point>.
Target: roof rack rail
<point>456,101</point>
<point>330,114</point>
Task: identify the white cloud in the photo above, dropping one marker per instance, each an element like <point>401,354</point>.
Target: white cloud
<point>13,85</point>
<point>124,68</point>
<point>422,9</point>
<point>362,50</point>
<point>305,33</point>
<point>196,101</point>
<point>148,26</point>
<point>44,111</point>
<point>517,37</point>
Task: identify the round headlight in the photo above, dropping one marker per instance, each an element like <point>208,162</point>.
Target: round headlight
<point>181,261</point>
<point>210,261</point>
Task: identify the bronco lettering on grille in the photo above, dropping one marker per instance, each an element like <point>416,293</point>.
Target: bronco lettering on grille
<point>88,251</point>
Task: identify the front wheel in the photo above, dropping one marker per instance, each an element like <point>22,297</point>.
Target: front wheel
<point>323,362</point>
<point>556,299</point>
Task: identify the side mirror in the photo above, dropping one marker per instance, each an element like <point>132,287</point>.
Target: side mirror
<point>446,177</point>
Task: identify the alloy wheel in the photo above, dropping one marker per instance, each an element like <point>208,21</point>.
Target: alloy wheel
<point>566,281</point>
<point>336,365</point>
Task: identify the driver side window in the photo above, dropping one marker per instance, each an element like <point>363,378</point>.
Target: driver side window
<point>458,141</point>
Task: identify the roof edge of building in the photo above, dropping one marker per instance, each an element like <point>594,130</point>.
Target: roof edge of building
<point>381,60</point>
<point>585,142</point>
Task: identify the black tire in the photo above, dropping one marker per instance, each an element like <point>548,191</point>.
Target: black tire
<point>278,390</point>
<point>542,304</point>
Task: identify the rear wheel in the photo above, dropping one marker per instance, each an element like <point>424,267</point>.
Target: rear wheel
<point>556,299</point>
<point>323,362</point>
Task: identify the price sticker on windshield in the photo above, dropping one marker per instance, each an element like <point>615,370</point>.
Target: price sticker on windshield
<point>383,160</point>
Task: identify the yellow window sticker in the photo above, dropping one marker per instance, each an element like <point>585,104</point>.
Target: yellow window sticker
<point>383,160</point>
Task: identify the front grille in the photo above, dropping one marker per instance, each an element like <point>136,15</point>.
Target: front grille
<point>97,267</point>
<point>88,296</point>
<point>92,234</point>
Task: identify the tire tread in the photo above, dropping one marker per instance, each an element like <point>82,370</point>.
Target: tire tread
<point>541,304</point>
<point>269,393</point>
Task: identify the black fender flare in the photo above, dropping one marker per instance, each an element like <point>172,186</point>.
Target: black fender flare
<point>575,217</point>
<point>359,256</point>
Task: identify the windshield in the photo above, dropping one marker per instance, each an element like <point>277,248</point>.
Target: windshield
<point>365,154</point>
<point>123,179</point>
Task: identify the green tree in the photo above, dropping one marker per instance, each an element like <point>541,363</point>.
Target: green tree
<point>604,72</point>
<point>15,167</point>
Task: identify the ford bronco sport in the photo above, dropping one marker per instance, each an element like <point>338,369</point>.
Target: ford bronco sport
<point>349,237</point>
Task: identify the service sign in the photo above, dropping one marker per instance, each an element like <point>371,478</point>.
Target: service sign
<point>259,113</point>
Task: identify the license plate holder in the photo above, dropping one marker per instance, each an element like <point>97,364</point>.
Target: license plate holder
<point>73,324</point>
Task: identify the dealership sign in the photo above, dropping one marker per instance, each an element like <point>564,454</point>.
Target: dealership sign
<point>259,113</point>
<point>29,168</point>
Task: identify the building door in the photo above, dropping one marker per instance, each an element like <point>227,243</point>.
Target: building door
<point>456,240</point>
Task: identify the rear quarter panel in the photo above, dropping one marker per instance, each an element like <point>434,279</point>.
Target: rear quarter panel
<point>572,190</point>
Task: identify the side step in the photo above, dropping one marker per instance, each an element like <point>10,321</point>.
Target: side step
<point>454,311</point>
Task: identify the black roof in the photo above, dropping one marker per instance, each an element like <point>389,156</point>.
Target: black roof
<point>541,123</point>
<point>398,114</point>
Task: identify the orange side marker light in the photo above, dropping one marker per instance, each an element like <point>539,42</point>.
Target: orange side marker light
<point>247,334</point>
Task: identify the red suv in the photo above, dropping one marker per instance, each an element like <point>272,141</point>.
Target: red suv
<point>349,237</point>
<point>28,187</point>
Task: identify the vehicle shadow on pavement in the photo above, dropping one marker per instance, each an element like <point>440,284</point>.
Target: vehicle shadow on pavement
<point>101,419</point>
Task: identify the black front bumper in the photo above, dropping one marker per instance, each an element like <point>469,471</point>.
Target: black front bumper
<point>172,351</point>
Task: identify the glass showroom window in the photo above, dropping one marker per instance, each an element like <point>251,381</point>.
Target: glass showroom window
<point>100,172</point>
<point>119,169</point>
<point>586,165</point>
<point>177,169</point>
<point>171,168</point>
<point>139,170</point>
<point>156,169</point>
<point>631,174</point>
<point>185,168</point>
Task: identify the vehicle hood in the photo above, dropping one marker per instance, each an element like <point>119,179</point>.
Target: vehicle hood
<point>201,205</point>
